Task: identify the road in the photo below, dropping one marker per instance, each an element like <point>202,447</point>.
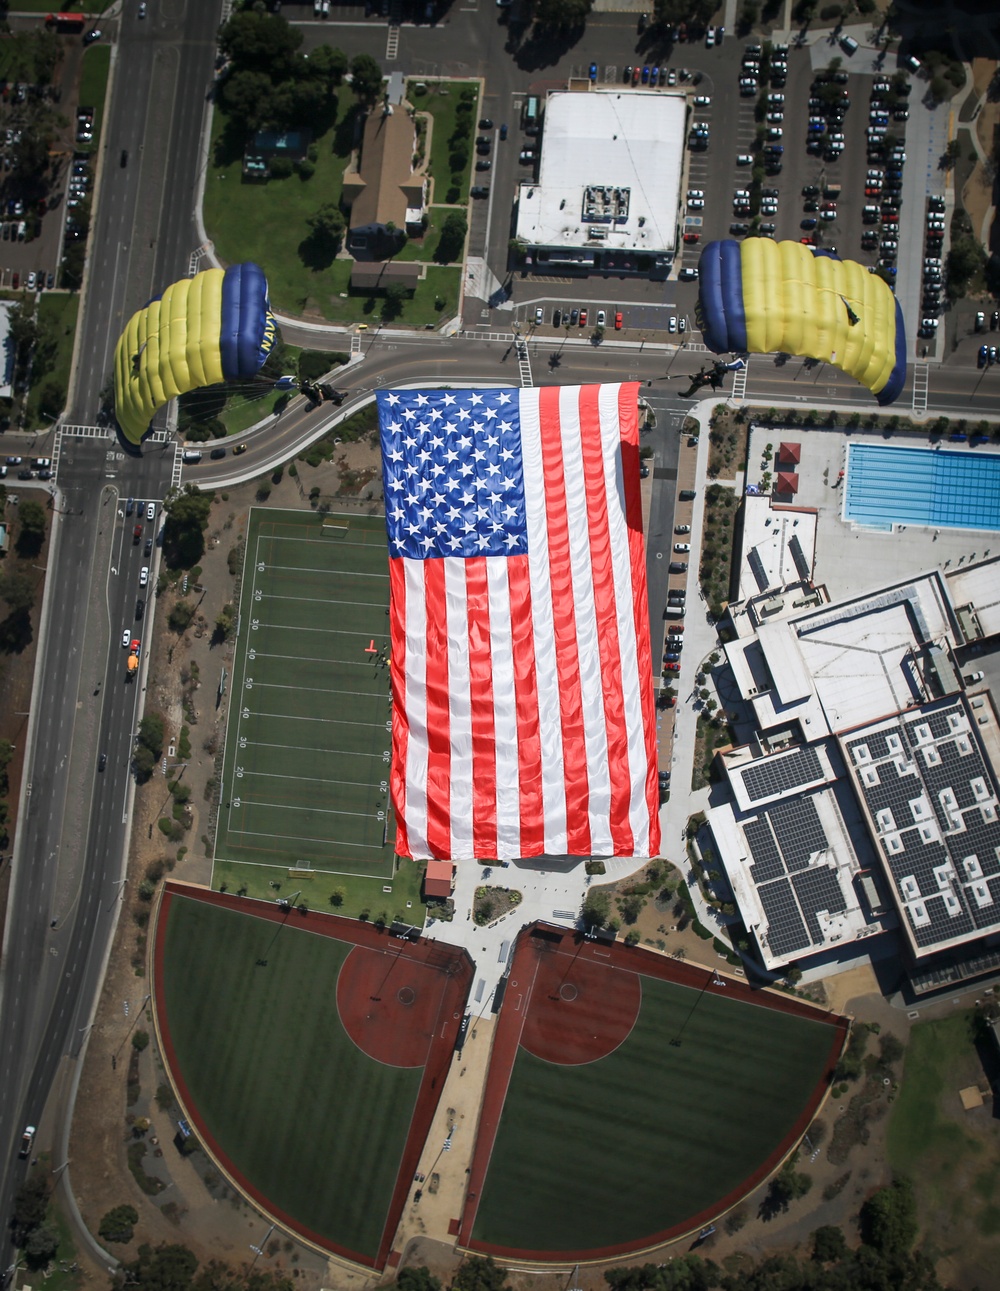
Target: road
<point>141,236</point>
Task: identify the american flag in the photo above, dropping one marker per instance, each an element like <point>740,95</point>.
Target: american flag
<point>523,714</point>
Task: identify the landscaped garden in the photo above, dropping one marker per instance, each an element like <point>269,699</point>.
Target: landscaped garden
<point>291,220</point>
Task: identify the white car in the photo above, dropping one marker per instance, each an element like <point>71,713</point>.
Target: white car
<point>151,511</point>
<point>744,159</point>
<point>775,98</point>
<point>682,528</point>
<point>539,316</point>
<point>144,576</point>
<point>602,318</point>
<point>672,324</point>
<point>774,132</point>
<point>126,639</point>
<point>703,100</point>
<point>682,547</point>
<point>740,196</point>
<point>710,37</point>
<point>27,1139</point>
<point>695,203</point>
<point>688,275</point>
<point>776,117</point>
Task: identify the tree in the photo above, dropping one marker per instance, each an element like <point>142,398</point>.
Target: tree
<point>183,530</point>
<point>328,65</point>
<point>30,1204</point>
<point>151,734</point>
<point>631,906</point>
<point>476,1274</point>
<point>418,1280</point>
<point>562,15</point>
<point>31,534</point>
<point>326,228</point>
<point>163,1268</point>
<point>396,296</point>
<point>118,1224</point>
<point>180,616</point>
<point>41,1245</point>
<point>17,591</point>
<point>889,1218</point>
<point>143,763</point>
<point>451,243</point>
<point>366,77</point>
<point>829,1244</point>
<point>596,908</point>
<point>248,97</point>
<point>261,42</point>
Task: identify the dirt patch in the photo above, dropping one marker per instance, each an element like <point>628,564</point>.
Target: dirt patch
<point>977,193</point>
<point>490,904</point>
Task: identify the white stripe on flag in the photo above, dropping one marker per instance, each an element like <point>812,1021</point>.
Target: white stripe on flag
<point>416,708</point>
<point>504,711</point>
<point>549,718</point>
<point>588,642</point>
<point>631,693</point>
<point>460,708</point>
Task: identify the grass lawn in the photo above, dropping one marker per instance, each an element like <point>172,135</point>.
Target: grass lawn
<point>953,1157</point>
<point>291,1100</point>
<point>441,102</point>
<point>94,87</point>
<point>57,317</point>
<point>267,223</point>
<point>359,894</point>
<point>724,1099</point>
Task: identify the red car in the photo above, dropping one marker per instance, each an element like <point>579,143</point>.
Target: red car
<point>16,281</point>
<point>583,318</point>
<point>137,533</point>
<point>134,648</point>
<point>618,321</point>
<point>808,242</point>
<point>675,628</point>
<point>637,73</point>
<point>671,667</point>
<point>692,237</point>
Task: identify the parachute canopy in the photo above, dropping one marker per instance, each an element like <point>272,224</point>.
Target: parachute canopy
<point>216,326</point>
<point>765,297</point>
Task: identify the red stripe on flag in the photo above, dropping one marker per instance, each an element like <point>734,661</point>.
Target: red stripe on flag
<point>628,422</point>
<point>484,767</point>
<point>438,719</point>
<point>605,608</point>
<point>400,725</point>
<point>529,742</point>
<point>574,747</point>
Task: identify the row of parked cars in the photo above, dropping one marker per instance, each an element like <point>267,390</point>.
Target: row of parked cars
<point>40,468</point>
<point>931,304</point>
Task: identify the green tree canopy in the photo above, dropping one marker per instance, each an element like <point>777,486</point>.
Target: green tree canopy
<point>163,1268</point>
<point>421,1279</point>
<point>118,1224</point>
<point>451,243</point>
<point>40,1246</point>
<point>261,42</point>
<point>562,15</point>
<point>327,226</point>
<point>248,96</point>
<point>17,590</point>
<point>328,64</point>
<point>183,531</point>
<point>31,533</point>
<point>31,1201</point>
<point>889,1218</point>
<point>477,1274</point>
<point>366,77</point>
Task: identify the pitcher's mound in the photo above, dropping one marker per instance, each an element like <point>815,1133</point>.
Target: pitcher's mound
<point>580,1011</point>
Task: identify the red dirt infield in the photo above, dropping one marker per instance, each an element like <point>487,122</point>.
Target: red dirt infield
<point>433,980</point>
<point>534,1014</point>
<point>580,1011</point>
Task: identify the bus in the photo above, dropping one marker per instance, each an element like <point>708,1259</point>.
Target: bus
<point>66,22</point>
<point>531,111</point>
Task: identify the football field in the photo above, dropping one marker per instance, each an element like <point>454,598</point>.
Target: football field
<point>306,766</point>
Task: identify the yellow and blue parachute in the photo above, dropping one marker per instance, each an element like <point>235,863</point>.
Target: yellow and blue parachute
<point>216,326</point>
<point>764,297</point>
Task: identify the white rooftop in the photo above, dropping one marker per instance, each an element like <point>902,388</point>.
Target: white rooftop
<point>978,586</point>
<point>629,140</point>
<point>779,545</point>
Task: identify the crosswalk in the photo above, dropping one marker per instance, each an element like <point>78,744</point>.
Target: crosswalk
<point>392,44</point>
<point>524,364</point>
<point>921,371</point>
<point>740,383</point>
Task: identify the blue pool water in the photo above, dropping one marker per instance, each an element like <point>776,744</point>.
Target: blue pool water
<point>886,486</point>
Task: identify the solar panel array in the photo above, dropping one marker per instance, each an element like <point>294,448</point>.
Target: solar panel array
<point>782,773</point>
<point>934,801</point>
<point>783,840</point>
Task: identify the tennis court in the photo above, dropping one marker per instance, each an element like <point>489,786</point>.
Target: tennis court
<point>618,1074</point>
<point>306,767</point>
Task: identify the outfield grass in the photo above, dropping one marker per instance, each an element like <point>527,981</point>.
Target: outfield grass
<point>289,1098</point>
<point>613,1151</point>
<point>57,313</point>
<point>305,774</point>
<point>956,1173</point>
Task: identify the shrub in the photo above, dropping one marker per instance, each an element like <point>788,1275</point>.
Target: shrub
<point>118,1224</point>
<point>140,1041</point>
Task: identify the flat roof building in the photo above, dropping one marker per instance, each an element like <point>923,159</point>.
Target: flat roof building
<point>608,190</point>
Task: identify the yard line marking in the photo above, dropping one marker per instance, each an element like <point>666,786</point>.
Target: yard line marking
<point>297,806</point>
<point>309,658</point>
<point>308,569</point>
<point>308,838</point>
<point>329,721</point>
<point>303,748</point>
<point>318,690</point>
<point>311,779</point>
<point>288,627</point>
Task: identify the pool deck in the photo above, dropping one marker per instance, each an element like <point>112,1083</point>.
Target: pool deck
<point>850,558</point>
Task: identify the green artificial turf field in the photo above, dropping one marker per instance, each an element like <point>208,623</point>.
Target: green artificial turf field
<point>612,1151</point>
<point>306,768</point>
<point>308,1120</point>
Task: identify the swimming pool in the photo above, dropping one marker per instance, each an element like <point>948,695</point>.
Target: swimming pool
<point>886,486</point>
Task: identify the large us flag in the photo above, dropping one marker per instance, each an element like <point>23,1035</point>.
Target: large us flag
<point>523,715</point>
